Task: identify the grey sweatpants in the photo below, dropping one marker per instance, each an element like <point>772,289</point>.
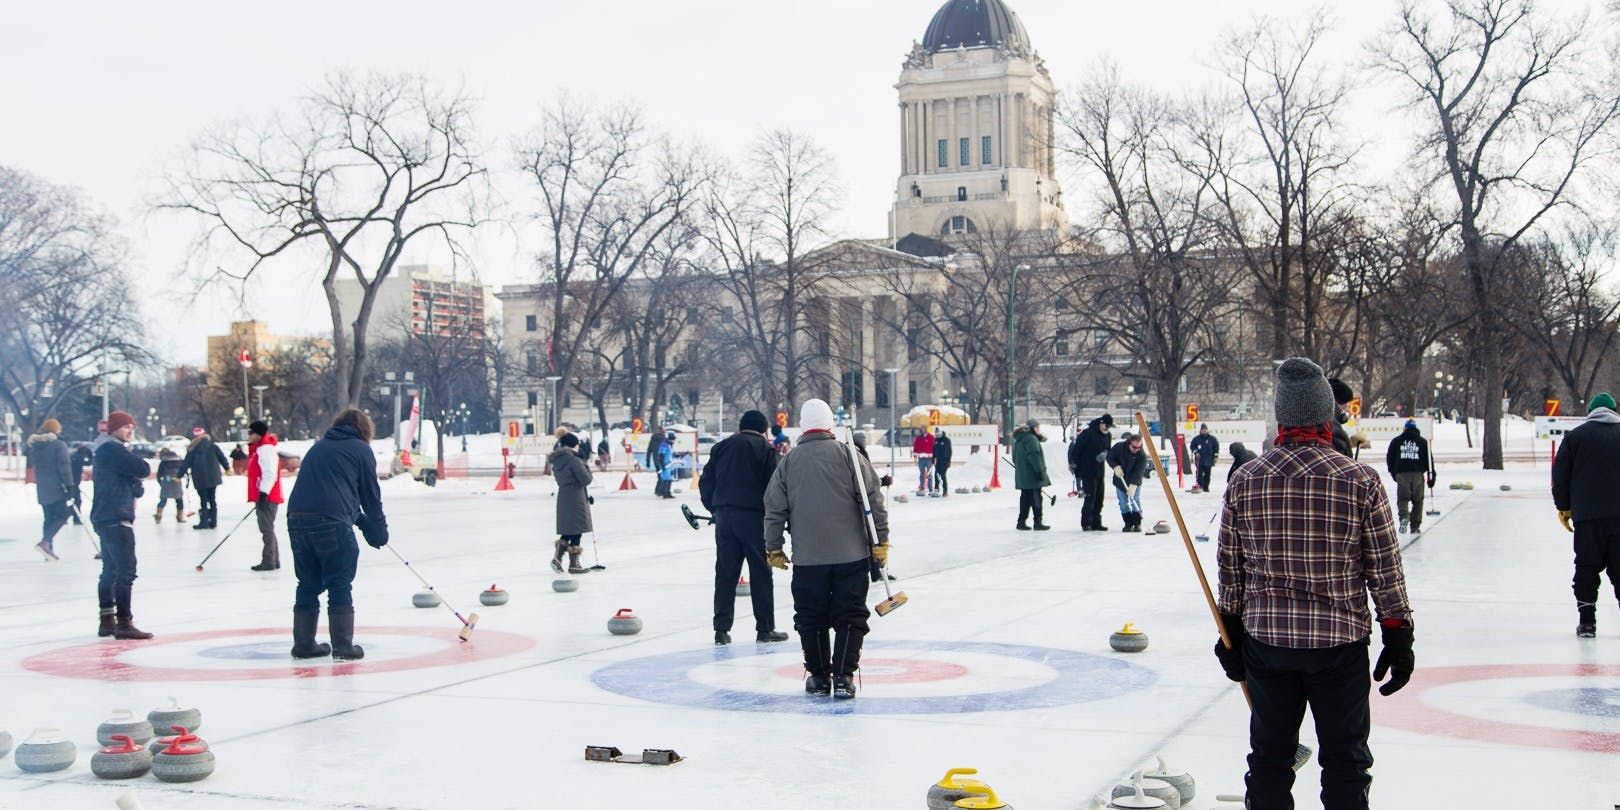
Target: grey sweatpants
<point>1409,493</point>
<point>266,512</point>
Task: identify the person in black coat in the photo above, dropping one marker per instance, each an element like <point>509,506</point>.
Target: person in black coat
<point>732,488</point>
<point>335,490</point>
<point>116,477</point>
<point>1129,466</point>
<point>1586,493</point>
<point>1206,449</point>
<point>942,463</point>
<point>1411,467</point>
<point>1240,456</point>
<point>207,465</point>
<point>1088,457</point>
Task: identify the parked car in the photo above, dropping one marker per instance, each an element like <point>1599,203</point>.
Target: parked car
<point>143,449</point>
<point>179,444</point>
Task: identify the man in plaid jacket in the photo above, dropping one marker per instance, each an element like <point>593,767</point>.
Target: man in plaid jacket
<point>1306,535</point>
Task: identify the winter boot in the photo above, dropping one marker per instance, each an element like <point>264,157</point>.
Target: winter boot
<point>1588,626</point>
<point>304,646</point>
<point>47,549</point>
<point>1404,526</point>
<point>817,661</point>
<point>157,517</point>
<point>721,638</point>
<point>125,630</point>
<point>556,559</point>
<point>770,636</point>
<point>109,624</point>
<point>846,660</point>
<point>179,514</point>
<point>340,624</point>
<point>574,566</point>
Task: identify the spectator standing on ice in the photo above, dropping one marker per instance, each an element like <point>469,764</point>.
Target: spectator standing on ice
<point>207,465</point>
<point>779,441</point>
<point>1240,456</point>
<point>1206,449</point>
<point>1090,454</point>
<point>1410,465</point>
<point>666,467</point>
<point>732,488</point>
<point>171,477</point>
<point>54,483</point>
<point>1306,535</point>
<point>813,496</point>
<point>942,464</point>
<point>1129,466</point>
<point>1586,493</point>
<point>604,454</point>
<point>1029,473</point>
<point>573,503</point>
<point>922,450</point>
<point>116,477</point>
<point>264,491</point>
<point>335,491</point>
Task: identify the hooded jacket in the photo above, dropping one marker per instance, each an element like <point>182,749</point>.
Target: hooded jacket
<point>1240,456</point>
<point>1408,453</point>
<point>206,462</point>
<point>1029,459</point>
<point>338,479</point>
<point>738,471</point>
<point>263,453</point>
<point>1089,448</point>
<point>812,496</point>
<point>942,451</point>
<point>1586,471</point>
<point>53,470</point>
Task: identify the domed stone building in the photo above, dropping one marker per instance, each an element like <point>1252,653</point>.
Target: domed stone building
<point>976,128</point>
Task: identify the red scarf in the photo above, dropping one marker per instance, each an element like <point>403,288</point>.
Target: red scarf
<point>818,430</point>
<point>1306,434</point>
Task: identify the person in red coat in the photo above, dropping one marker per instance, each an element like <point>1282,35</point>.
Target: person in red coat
<point>922,449</point>
<point>264,490</point>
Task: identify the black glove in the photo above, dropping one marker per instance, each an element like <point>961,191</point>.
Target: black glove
<point>590,499</point>
<point>262,499</point>
<point>375,530</point>
<point>1232,658</point>
<point>887,480</point>
<point>1430,479</point>
<point>1396,659</point>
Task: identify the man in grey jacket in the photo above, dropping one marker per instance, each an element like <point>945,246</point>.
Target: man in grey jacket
<point>813,496</point>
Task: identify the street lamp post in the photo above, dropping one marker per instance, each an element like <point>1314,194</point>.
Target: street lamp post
<point>893,436</point>
<point>462,411</point>
<point>551,410</point>
<point>1012,353</point>
<point>259,389</point>
<point>152,421</point>
<point>246,359</point>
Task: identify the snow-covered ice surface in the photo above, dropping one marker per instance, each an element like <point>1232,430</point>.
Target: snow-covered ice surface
<point>1000,661</point>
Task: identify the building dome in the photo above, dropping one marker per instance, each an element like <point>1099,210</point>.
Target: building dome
<point>973,24</point>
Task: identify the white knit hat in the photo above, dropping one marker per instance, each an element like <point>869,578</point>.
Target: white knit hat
<point>815,414</point>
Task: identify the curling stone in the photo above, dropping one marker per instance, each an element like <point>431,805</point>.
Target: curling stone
<point>425,599</point>
<point>1456,485</point>
<point>493,596</point>
<point>567,585</point>
<point>961,490</point>
<point>944,794</point>
<point>1161,528</point>
<point>126,760</point>
<point>901,499</point>
<point>743,588</point>
<point>1506,487</point>
<point>124,721</point>
<point>175,715</point>
<point>44,751</point>
<point>624,623</point>
<point>1139,785</point>
<point>183,762</point>
<point>1178,779</point>
<point>1468,485</point>
<point>5,743</point>
<point>1138,800</point>
<point>988,801</point>
<point>180,736</point>
<point>1128,639</point>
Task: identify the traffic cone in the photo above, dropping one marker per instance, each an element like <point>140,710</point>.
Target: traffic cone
<point>506,482</point>
<point>995,471</point>
<point>627,483</point>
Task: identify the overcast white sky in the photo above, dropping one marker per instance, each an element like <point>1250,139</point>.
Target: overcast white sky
<point>103,95</point>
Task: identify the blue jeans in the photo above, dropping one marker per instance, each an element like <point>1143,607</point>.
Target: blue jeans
<point>117,581</point>
<point>924,467</point>
<point>1129,503</point>
<point>325,555</point>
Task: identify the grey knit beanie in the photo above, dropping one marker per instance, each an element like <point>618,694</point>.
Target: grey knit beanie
<point>1303,394</point>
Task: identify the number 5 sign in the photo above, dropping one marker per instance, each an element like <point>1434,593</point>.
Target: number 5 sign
<point>1192,412</point>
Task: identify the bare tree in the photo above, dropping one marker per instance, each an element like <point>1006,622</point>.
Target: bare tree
<point>1516,109</point>
<point>762,229</point>
<point>366,168</point>
<point>1162,286</point>
<point>1559,304</point>
<point>608,191</point>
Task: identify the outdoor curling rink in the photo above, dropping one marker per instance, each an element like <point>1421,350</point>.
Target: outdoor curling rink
<point>1000,661</point>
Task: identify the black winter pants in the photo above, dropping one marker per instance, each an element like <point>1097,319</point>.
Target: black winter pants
<point>831,597</point>
<point>1029,500</point>
<point>1334,682</point>
<point>1091,510</point>
<point>207,507</point>
<point>1202,476</point>
<point>941,477</point>
<point>740,535</point>
<point>1597,550</point>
